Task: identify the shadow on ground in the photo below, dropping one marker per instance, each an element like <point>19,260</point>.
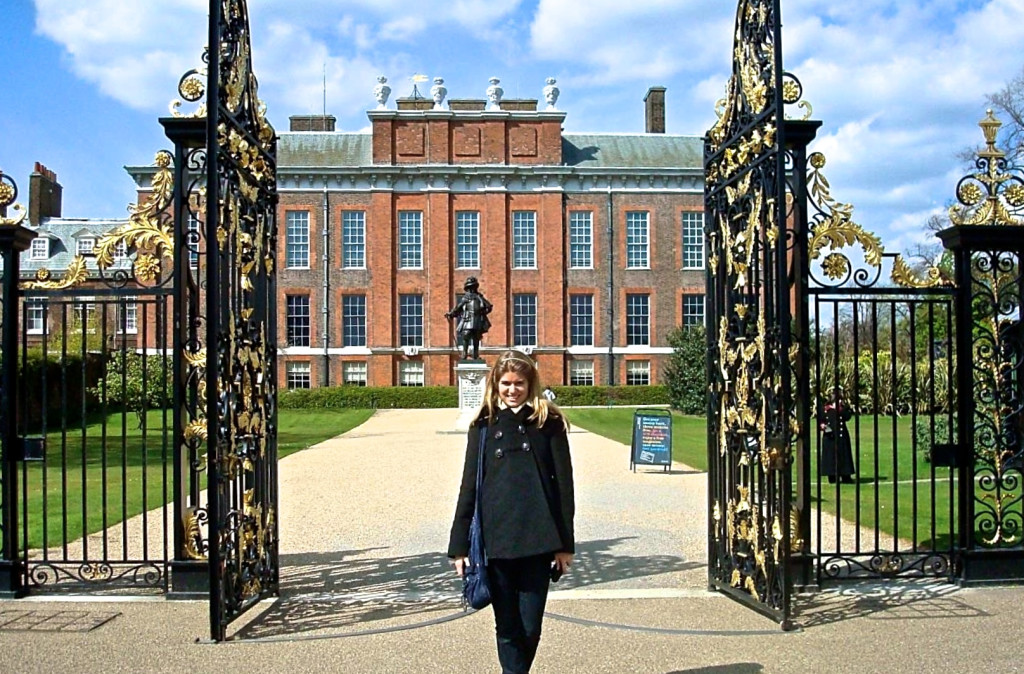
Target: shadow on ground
<point>734,668</point>
<point>907,601</point>
<point>361,590</point>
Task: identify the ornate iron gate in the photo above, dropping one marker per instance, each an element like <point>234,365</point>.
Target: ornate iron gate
<point>877,429</point>
<point>240,224</point>
<point>750,413</point>
<point>87,429</point>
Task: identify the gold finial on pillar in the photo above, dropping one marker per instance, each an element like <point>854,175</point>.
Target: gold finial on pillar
<point>990,127</point>
<point>994,194</point>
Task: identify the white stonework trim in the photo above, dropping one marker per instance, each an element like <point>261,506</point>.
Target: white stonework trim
<point>479,178</point>
<point>319,351</point>
<point>541,115</point>
<point>677,181</point>
<point>620,350</point>
<point>434,350</point>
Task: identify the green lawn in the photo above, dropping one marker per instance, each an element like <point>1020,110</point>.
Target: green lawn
<point>903,477</point>
<point>689,433</point>
<point>118,453</point>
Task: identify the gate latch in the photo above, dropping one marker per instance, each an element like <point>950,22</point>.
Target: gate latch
<point>33,447</point>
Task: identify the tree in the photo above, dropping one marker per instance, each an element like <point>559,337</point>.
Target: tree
<point>1008,104</point>
<point>686,372</point>
<point>139,383</point>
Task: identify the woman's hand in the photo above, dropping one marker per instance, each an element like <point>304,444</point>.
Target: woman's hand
<point>563,560</point>
<point>460,564</point>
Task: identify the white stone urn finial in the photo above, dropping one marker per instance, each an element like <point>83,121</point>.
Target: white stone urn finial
<point>381,92</point>
<point>494,93</point>
<point>438,92</point>
<point>551,92</point>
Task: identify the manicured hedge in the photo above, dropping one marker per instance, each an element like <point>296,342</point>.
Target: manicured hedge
<point>370,397</point>
<point>416,397</point>
<point>610,395</point>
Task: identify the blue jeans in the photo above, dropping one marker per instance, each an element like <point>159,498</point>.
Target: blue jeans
<point>519,590</point>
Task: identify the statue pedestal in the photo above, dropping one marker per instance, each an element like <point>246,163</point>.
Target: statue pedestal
<point>472,378</point>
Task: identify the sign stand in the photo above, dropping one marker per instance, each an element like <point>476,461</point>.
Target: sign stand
<point>652,439</point>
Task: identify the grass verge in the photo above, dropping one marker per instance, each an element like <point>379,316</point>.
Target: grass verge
<point>896,490</point>
<point>114,470</point>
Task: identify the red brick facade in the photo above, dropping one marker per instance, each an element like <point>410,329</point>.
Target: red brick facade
<point>548,213</point>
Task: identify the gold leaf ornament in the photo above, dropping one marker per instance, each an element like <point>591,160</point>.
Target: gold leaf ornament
<point>790,92</point>
<point>146,267</point>
<point>970,194</point>
<point>1015,195</point>
<point>6,195</point>
<point>835,266</point>
<point>77,273</point>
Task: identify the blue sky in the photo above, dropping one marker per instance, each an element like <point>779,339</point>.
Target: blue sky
<point>898,84</point>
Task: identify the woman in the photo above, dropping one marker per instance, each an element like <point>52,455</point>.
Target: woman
<point>527,504</point>
<point>836,450</point>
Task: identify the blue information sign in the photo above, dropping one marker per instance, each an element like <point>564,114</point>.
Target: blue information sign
<point>652,439</point>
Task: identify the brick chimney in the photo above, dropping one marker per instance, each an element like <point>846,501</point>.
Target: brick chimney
<point>654,103</point>
<point>311,123</point>
<point>44,195</point>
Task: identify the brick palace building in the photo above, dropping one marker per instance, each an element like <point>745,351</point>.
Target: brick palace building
<point>589,246</point>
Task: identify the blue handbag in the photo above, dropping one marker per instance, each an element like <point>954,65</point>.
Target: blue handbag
<point>476,593</point>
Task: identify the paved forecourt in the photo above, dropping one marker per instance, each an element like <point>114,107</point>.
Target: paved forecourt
<point>366,586</point>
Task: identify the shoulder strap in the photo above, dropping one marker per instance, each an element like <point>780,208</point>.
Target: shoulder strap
<point>480,463</point>
<point>477,517</point>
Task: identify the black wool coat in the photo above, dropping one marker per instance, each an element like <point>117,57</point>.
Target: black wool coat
<point>528,501</point>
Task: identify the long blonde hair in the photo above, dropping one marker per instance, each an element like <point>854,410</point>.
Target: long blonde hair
<point>521,364</point>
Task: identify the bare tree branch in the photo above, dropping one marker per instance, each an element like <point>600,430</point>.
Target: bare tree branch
<point>1008,104</point>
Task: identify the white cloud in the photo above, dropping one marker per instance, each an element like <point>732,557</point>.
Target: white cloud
<point>401,19</point>
<point>136,52</point>
<point>295,84</point>
<point>618,41</point>
<point>899,86</point>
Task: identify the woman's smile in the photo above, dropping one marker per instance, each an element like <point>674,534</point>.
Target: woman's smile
<point>512,389</point>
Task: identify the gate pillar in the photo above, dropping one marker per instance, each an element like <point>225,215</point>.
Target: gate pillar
<point>988,252</point>
<point>189,568</point>
<point>990,407</point>
<point>798,135</point>
<point>14,238</point>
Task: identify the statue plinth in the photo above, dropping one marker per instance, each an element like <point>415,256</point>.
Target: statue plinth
<point>472,378</point>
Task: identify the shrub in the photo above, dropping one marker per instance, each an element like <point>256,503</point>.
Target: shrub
<point>923,434</point>
<point>136,382</point>
<point>686,373</point>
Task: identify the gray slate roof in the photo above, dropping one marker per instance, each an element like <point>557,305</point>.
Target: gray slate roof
<point>63,234</point>
<point>314,149</point>
<point>610,150</point>
<point>584,150</point>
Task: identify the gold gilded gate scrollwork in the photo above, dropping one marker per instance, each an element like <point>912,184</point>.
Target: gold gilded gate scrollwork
<point>242,344</point>
<point>750,419</point>
<point>833,229</point>
<point>148,232</point>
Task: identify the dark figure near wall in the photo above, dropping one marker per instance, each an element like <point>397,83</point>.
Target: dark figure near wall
<point>470,314</point>
<point>836,452</point>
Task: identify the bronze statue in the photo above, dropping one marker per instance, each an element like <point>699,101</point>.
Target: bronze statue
<point>470,314</point>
